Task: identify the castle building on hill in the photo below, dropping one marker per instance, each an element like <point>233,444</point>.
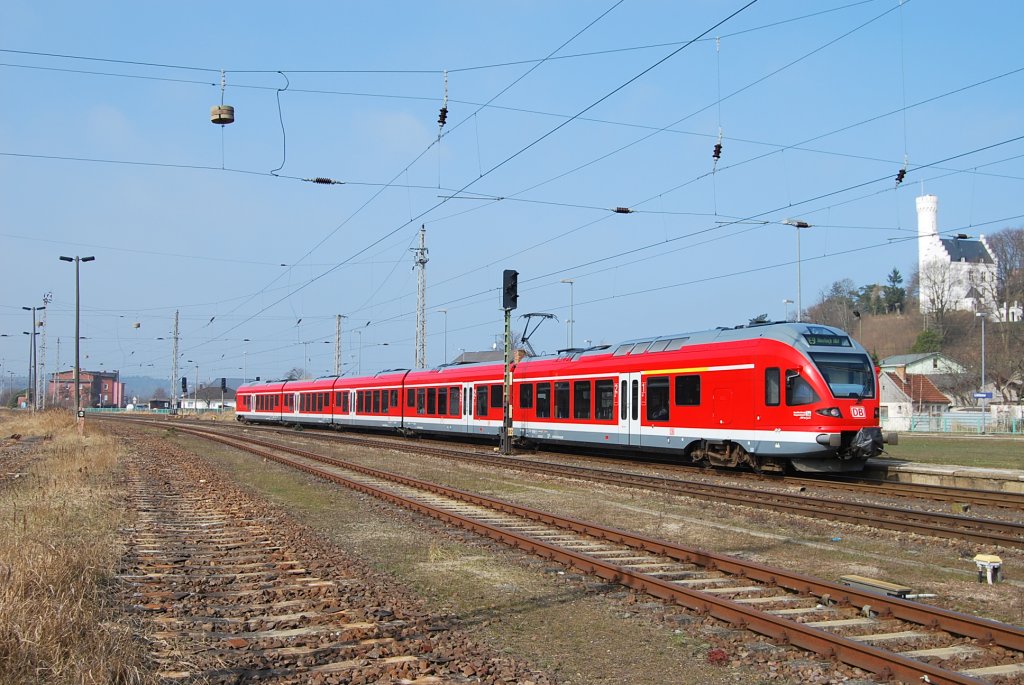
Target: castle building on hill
<point>956,273</point>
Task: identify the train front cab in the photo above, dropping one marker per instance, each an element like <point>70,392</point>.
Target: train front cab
<point>831,396</point>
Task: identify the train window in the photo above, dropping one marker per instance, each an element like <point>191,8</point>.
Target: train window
<point>640,347</point>
<point>581,400</point>
<point>410,398</point>
<point>561,400</point>
<point>687,391</point>
<point>467,400</point>
<point>384,404</point>
<point>658,346</point>
<point>526,396</point>
<point>605,406</point>
<point>431,401</point>
<point>345,402</point>
<point>442,401</point>
<point>847,375</point>
<point>622,349</point>
<point>376,401</point>
<point>675,344</point>
<point>453,392</point>
<point>543,400</point>
<point>623,406</point>
<point>481,400</point>
<point>657,398</point>
<point>634,401</point>
<point>337,399</point>
<point>421,401</point>
<point>497,396</point>
<point>798,390</point>
<point>394,398</point>
<point>772,391</point>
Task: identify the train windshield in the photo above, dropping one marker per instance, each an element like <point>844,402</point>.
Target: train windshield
<point>847,375</point>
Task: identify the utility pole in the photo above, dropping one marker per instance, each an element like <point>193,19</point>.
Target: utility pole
<point>174,365</point>
<point>31,390</point>
<point>421,299</point>
<point>337,343</point>
<point>56,365</point>
<point>41,382</point>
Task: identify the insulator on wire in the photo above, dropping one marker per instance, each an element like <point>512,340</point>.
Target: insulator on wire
<point>324,181</point>
<point>717,154</point>
<point>900,176</point>
<point>623,210</point>
<point>442,117</point>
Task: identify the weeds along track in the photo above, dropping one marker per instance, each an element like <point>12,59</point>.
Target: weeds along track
<point>231,590</point>
<point>894,638</point>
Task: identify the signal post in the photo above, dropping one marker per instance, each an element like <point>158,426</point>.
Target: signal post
<point>509,300</point>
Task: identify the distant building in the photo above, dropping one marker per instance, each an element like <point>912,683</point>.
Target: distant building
<point>927,363</point>
<point>956,274</point>
<point>905,396</point>
<point>209,397</point>
<point>97,388</point>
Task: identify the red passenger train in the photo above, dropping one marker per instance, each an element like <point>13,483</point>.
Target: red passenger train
<point>763,396</point>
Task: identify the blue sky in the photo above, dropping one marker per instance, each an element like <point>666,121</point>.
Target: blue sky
<point>818,103</point>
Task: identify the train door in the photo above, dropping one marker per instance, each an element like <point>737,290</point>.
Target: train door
<point>466,408</point>
<point>629,409</point>
<point>722,406</point>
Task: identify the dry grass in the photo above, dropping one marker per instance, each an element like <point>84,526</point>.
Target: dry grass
<point>59,620</point>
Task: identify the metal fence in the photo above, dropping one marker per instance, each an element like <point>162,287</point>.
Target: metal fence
<point>965,422</point>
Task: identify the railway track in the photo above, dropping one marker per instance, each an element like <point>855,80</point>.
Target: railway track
<point>976,530</point>
<point>232,592</point>
<point>890,637</point>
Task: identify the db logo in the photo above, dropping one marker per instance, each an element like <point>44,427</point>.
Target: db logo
<point>858,412</point>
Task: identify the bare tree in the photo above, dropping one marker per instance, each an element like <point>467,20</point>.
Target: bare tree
<point>835,308</point>
<point>1008,248</point>
<point>937,286</point>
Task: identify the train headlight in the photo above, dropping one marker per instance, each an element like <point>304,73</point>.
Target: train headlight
<point>830,411</point>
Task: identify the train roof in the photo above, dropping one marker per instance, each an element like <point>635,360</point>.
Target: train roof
<point>800,335</point>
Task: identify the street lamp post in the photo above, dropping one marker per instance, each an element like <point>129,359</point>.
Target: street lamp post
<point>798,224</point>
<point>78,318</point>
<point>245,352</point>
<point>570,322</point>
<point>982,389</point>
<point>445,312</point>
<point>32,357</point>
<point>785,307</point>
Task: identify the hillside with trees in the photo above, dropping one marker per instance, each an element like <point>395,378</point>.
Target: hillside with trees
<point>885,318</point>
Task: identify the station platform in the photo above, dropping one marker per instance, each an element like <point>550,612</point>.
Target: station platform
<point>998,480</point>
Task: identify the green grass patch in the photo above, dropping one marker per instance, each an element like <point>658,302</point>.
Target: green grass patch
<point>982,452</point>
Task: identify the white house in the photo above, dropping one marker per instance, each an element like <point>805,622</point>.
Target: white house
<point>956,273</point>
<point>926,363</point>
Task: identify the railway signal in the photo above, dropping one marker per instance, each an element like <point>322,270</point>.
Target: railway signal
<point>510,289</point>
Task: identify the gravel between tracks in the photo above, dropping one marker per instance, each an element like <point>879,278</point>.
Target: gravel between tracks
<point>235,590</point>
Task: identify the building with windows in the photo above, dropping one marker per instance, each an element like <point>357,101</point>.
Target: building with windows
<point>954,274</point>
<point>97,388</point>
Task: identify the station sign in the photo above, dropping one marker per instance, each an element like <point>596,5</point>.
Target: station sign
<point>982,395</point>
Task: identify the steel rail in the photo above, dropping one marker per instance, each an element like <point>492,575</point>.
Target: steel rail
<point>850,651</point>
<point>934,524</point>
